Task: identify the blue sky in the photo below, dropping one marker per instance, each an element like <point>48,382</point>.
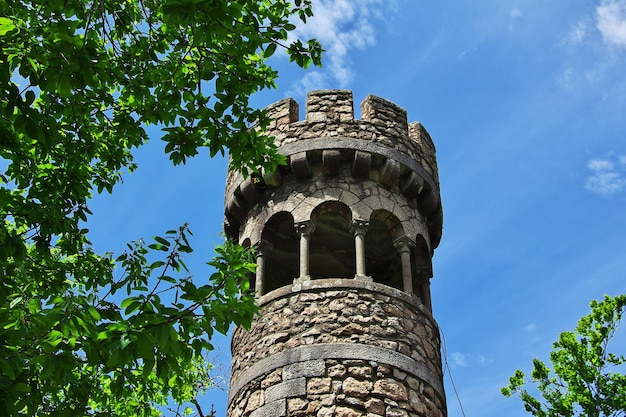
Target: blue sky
<point>526,103</point>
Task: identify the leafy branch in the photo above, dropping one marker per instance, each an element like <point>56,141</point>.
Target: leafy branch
<point>586,378</point>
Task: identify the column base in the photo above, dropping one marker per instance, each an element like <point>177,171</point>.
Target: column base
<point>297,282</point>
<point>363,278</point>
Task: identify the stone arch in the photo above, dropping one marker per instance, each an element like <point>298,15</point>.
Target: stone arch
<point>279,245</point>
<point>331,252</point>
<point>383,261</point>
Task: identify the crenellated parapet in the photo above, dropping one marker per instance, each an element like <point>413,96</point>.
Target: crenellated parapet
<point>330,142</point>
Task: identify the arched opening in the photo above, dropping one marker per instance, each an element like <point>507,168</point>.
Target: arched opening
<point>279,243</point>
<point>331,251</point>
<point>422,270</point>
<point>383,261</point>
<point>250,276</point>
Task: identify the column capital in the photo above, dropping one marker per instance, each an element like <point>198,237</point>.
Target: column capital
<point>304,228</point>
<point>359,226</point>
<point>263,247</point>
<point>404,244</point>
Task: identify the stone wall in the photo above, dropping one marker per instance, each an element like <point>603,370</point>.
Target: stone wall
<point>338,347</point>
<point>337,387</point>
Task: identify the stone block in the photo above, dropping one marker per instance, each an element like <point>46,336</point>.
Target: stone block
<point>326,412</point>
<point>428,201</point>
<point>396,412</point>
<point>346,412</point>
<point>273,409</point>
<point>272,379</point>
<point>237,207</point>
<point>250,191</point>
<point>287,389</point>
<point>317,116</point>
<point>331,161</point>
<point>360,372</point>
<point>273,179</point>
<point>304,369</point>
<point>300,165</point>
<point>390,389</point>
<point>255,401</point>
<point>357,388</point>
<point>337,371</point>
<point>318,386</point>
<point>390,172</point>
<point>362,164</point>
<point>376,406</point>
<point>411,184</point>
<point>296,404</point>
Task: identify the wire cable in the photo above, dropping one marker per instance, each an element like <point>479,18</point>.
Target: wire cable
<point>444,351</point>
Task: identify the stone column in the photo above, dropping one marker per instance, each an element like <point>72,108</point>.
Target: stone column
<point>263,248</point>
<point>359,227</point>
<point>404,246</point>
<point>426,300</point>
<point>304,230</point>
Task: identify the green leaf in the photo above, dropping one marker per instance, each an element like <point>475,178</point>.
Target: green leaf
<point>15,302</point>
<point>6,25</point>
<point>269,51</point>
<point>94,313</point>
<point>162,241</point>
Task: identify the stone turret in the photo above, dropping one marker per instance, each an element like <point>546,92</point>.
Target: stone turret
<point>344,235</point>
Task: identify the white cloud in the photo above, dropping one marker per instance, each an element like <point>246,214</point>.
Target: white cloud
<point>530,327</point>
<point>600,165</point>
<point>611,15</point>
<point>515,13</point>
<point>483,360</point>
<point>579,32</point>
<point>458,359</point>
<point>608,176</point>
<point>590,65</point>
<point>341,26</point>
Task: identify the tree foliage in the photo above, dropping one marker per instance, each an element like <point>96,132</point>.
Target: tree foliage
<point>83,333</point>
<point>586,379</point>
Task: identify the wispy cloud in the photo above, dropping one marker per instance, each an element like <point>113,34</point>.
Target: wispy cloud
<point>464,360</point>
<point>611,15</point>
<point>579,32</point>
<point>515,13</point>
<point>458,359</point>
<point>608,176</point>
<point>530,327</point>
<point>342,26</point>
<point>589,63</point>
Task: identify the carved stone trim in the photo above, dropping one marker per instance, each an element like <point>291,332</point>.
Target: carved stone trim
<point>336,351</point>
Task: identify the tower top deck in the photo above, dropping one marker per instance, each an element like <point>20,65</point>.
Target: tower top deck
<point>382,145</point>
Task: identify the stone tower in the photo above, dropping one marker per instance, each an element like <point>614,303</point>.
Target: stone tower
<point>345,235</point>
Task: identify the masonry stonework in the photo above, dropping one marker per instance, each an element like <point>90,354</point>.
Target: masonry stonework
<point>344,235</point>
